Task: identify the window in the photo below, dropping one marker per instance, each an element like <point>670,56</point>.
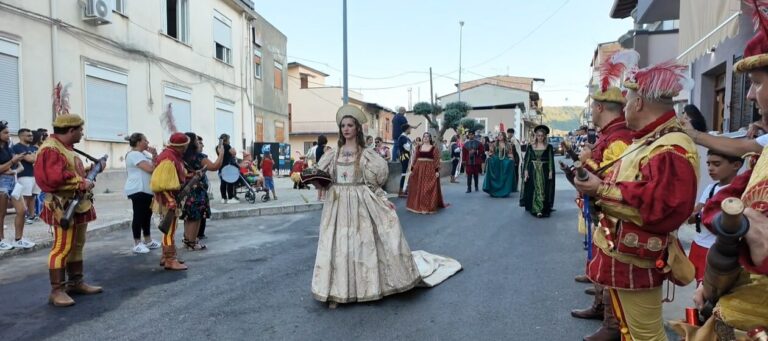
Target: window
<point>120,6</point>
<point>304,80</point>
<point>278,76</point>
<point>279,131</point>
<point>259,129</point>
<point>179,99</point>
<point>106,103</point>
<point>256,63</point>
<point>177,19</point>
<point>10,84</point>
<point>225,118</point>
<point>484,122</point>
<point>222,37</point>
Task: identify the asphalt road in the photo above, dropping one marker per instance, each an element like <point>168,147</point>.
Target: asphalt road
<point>254,283</point>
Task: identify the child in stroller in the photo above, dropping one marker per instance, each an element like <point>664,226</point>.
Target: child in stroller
<point>250,180</point>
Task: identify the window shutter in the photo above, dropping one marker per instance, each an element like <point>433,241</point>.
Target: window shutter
<point>259,129</point>
<point>225,119</point>
<point>10,101</point>
<point>106,108</point>
<point>222,33</point>
<point>278,77</point>
<point>182,108</point>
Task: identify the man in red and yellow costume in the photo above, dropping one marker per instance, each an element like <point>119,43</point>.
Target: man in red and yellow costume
<point>166,182</point>
<point>741,293</point>
<point>60,174</point>
<point>607,110</point>
<point>648,195</point>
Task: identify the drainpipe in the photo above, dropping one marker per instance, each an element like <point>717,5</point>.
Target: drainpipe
<point>243,81</point>
<point>54,46</point>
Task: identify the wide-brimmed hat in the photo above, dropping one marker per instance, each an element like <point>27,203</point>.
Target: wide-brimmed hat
<point>68,121</point>
<point>351,111</point>
<point>178,140</point>
<point>542,128</point>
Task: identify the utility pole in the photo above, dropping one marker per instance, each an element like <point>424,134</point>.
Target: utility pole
<point>346,75</point>
<point>410,98</point>
<point>461,28</point>
<point>431,97</point>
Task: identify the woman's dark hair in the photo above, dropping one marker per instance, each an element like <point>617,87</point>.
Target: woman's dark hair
<point>431,141</point>
<point>454,138</point>
<point>37,137</point>
<point>134,139</point>
<point>697,119</point>
<point>322,140</point>
<point>191,151</point>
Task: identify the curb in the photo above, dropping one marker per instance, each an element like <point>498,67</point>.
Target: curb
<point>215,215</point>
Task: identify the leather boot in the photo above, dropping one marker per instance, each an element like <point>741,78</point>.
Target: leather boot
<point>582,279</point>
<point>590,291</point>
<point>595,312</point>
<point>162,259</point>
<point>76,284</point>
<point>609,331</point>
<point>170,263</point>
<point>58,297</point>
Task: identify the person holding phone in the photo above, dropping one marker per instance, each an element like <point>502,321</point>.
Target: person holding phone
<point>10,165</point>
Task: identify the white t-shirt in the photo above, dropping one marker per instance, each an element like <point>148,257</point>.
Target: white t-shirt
<point>762,140</point>
<point>138,179</point>
<point>706,238</point>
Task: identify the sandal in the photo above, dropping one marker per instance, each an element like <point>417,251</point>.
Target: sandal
<point>192,245</point>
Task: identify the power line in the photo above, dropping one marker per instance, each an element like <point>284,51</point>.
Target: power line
<point>524,37</point>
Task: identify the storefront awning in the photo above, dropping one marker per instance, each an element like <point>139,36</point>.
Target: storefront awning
<point>705,24</point>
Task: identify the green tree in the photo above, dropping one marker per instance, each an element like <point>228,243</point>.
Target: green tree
<point>453,113</point>
<point>471,124</point>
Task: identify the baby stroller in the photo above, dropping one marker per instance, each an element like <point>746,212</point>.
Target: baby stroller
<point>231,174</point>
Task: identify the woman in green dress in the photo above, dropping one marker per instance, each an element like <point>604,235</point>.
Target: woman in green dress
<point>539,175</point>
<point>500,171</point>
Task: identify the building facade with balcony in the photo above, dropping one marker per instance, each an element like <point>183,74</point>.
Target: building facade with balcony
<point>125,63</point>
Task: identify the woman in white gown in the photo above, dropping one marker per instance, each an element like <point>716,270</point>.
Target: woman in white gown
<point>362,254</point>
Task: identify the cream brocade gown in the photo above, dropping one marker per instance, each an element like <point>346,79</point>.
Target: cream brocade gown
<point>362,254</point>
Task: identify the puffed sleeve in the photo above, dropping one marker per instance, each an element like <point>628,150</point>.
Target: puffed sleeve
<point>375,169</point>
<point>325,161</point>
<point>51,172</point>
<point>649,202</point>
<point>165,178</point>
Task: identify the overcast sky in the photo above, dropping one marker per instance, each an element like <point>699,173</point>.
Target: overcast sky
<point>393,43</point>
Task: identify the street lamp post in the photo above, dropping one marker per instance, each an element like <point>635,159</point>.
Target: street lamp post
<point>461,27</point>
<point>345,74</point>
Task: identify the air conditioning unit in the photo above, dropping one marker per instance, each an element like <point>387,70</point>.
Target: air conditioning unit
<point>98,12</point>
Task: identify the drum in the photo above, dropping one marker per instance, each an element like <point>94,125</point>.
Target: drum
<point>230,174</point>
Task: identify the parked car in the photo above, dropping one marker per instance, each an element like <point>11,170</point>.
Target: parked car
<point>557,144</point>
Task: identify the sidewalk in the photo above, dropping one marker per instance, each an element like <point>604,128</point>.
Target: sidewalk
<point>114,212</point>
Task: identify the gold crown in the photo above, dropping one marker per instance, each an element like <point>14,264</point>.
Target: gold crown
<point>67,121</point>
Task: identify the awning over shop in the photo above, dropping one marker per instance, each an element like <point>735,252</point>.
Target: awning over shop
<point>705,24</point>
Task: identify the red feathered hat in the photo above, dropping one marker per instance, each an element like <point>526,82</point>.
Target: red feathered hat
<point>756,52</point>
<point>178,140</point>
<point>611,71</point>
<point>661,81</point>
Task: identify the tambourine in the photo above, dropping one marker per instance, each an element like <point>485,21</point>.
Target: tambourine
<point>316,177</point>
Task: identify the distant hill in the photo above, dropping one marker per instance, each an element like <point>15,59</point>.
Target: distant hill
<point>562,118</point>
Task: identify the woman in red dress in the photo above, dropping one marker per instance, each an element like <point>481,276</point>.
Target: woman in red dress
<point>424,193</point>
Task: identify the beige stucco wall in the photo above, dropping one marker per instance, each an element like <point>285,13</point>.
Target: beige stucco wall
<point>191,66</point>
